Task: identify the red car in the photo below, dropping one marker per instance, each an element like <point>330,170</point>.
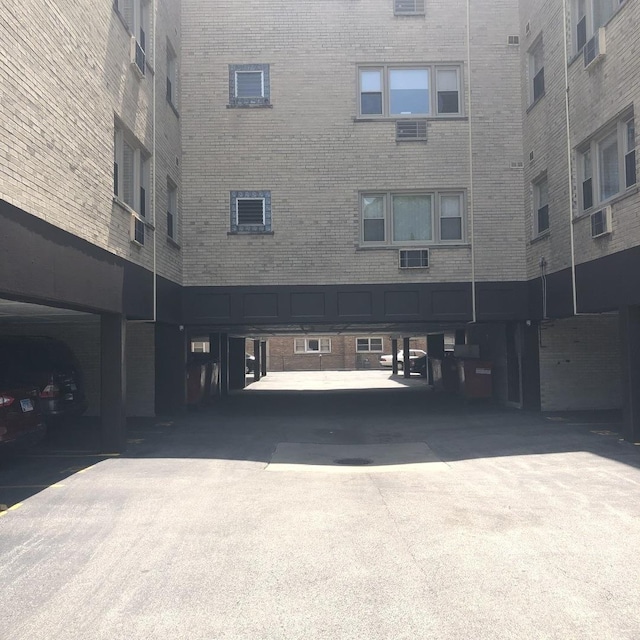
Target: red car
<point>21,420</point>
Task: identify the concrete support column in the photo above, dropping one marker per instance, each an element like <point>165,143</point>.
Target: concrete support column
<point>394,355</point>
<point>630,346</point>
<point>170,369</point>
<point>530,363</point>
<point>223,351</point>
<point>237,363</point>
<point>257,363</point>
<point>112,383</point>
<point>406,362</point>
<point>263,357</point>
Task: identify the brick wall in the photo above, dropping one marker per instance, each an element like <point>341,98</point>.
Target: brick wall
<point>580,364</point>
<point>281,354</point>
<point>597,96</point>
<point>315,157</point>
<point>66,73</point>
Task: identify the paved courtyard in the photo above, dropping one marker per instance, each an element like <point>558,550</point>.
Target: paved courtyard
<point>327,505</point>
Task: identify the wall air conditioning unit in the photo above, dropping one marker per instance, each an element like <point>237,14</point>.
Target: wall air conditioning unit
<point>601,222</point>
<point>407,130</point>
<point>413,259</point>
<point>137,57</point>
<point>595,48</point>
<point>136,231</point>
<point>408,7</point>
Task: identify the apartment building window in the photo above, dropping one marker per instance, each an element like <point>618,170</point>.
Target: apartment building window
<point>588,17</point>
<point>541,203</point>
<point>172,209</point>
<point>135,13</point>
<point>249,85</point>
<point>411,218</point>
<point>607,164</point>
<point>397,91</point>
<point>251,211</point>
<point>312,345</point>
<point>172,86</point>
<point>131,177</point>
<point>130,172</point>
<point>630,153</point>
<point>536,71</point>
<point>369,345</point>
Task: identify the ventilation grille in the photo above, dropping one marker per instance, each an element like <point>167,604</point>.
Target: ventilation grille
<point>408,7</point>
<point>250,211</point>
<point>413,258</point>
<point>514,40</point>
<point>411,130</point>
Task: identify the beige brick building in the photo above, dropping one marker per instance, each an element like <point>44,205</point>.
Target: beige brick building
<point>352,168</point>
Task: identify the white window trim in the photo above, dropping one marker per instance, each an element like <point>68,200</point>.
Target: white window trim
<point>172,208</point>
<point>436,235</point>
<point>172,74</point>
<point>538,205</point>
<point>385,69</point>
<point>369,348</point>
<point>141,173</point>
<point>593,145</point>
<point>533,50</point>
<point>306,349</point>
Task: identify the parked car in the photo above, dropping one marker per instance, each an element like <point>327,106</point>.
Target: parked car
<point>21,421</point>
<point>387,360</point>
<point>49,365</point>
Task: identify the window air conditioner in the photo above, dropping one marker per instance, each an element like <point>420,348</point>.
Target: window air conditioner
<point>601,222</point>
<point>413,258</point>
<point>136,230</point>
<point>595,48</point>
<point>137,57</point>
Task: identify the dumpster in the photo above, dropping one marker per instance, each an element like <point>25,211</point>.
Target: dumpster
<point>475,378</point>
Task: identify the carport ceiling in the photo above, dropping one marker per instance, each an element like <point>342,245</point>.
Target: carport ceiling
<point>12,312</point>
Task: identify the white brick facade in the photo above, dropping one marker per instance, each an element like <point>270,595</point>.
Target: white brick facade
<point>580,364</point>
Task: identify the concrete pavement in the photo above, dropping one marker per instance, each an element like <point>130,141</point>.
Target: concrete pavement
<point>503,525</point>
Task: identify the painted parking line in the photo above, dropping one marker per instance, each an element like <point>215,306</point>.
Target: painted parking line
<point>11,508</point>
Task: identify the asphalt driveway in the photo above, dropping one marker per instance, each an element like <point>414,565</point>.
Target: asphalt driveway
<point>243,521</point>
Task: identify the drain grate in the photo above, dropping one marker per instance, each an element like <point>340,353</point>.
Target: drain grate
<point>353,462</point>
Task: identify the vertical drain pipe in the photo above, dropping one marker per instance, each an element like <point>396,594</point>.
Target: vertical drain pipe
<point>154,208</point>
<point>471,193</point>
<point>569,157</point>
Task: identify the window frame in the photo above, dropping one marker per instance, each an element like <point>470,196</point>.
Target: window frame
<point>306,348</point>
<point>620,129</point>
<point>251,101</point>
<point>172,210</point>
<point>539,205</point>
<point>591,23</point>
<point>369,347</point>
<point>172,75</point>
<point>236,227</point>
<point>536,47</point>
<point>385,70</point>
<point>140,178</point>
<point>436,218</point>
